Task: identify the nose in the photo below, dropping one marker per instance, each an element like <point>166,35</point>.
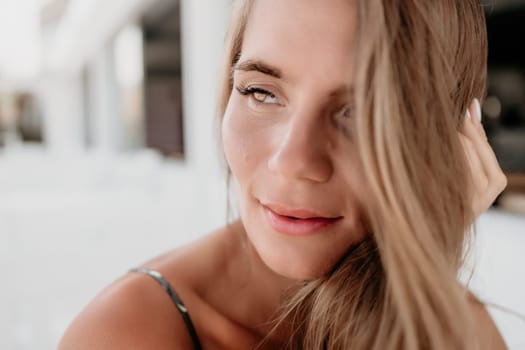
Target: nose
<point>303,151</point>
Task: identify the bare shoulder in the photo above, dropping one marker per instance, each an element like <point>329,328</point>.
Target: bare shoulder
<point>489,334</point>
<point>129,314</point>
<point>135,312</point>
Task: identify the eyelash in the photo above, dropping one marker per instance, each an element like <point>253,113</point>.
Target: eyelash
<point>346,112</point>
<point>250,90</point>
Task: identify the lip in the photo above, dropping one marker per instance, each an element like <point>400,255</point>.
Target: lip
<point>304,222</point>
<point>297,213</point>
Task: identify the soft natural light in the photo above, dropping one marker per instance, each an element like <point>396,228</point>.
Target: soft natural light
<point>19,39</point>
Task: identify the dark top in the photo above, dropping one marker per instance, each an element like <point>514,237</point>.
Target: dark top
<point>176,300</point>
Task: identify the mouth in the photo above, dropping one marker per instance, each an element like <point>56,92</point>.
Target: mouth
<point>297,213</point>
<point>297,222</point>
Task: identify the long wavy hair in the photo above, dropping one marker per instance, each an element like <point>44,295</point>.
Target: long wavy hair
<point>418,65</point>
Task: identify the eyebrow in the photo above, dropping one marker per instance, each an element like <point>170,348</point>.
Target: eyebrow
<point>265,68</point>
<point>258,66</point>
<point>342,91</point>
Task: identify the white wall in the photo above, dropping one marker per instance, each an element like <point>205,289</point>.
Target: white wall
<point>203,31</point>
<point>70,220</point>
<point>107,124</point>
<point>61,96</point>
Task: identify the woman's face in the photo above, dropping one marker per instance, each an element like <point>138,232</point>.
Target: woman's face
<point>287,135</point>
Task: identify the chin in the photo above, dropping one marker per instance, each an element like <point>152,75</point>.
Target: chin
<point>299,258</point>
<point>300,272</point>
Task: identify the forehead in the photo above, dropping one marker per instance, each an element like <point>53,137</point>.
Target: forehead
<point>298,36</point>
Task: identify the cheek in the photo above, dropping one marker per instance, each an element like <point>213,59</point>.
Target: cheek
<point>353,181</point>
<point>243,146</point>
<point>360,196</point>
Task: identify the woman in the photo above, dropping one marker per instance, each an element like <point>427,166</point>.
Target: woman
<point>358,172</point>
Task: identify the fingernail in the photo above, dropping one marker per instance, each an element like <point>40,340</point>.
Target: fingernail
<point>467,115</point>
<point>478,109</point>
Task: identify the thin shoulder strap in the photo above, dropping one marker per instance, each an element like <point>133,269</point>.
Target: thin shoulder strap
<point>176,300</point>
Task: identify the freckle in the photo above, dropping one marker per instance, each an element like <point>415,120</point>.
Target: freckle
<point>243,150</point>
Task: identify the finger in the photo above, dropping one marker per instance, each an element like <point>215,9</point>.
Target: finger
<point>471,118</point>
<point>466,119</point>
<point>490,180</point>
<point>483,194</point>
<point>478,175</point>
<point>490,163</point>
<point>478,182</point>
<point>482,149</point>
<point>475,111</point>
<point>498,178</point>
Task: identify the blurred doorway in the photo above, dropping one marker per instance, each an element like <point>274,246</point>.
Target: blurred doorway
<point>162,80</point>
<point>504,108</point>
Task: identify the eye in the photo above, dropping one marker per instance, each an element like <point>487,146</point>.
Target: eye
<point>346,112</point>
<point>342,119</point>
<point>259,95</point>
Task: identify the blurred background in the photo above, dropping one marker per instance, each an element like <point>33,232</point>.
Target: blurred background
<point>108,152</point>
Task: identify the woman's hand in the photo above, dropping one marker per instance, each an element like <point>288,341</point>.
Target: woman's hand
<point>488,178</point>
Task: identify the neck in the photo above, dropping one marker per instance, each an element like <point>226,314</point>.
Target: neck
<point>261,290</point>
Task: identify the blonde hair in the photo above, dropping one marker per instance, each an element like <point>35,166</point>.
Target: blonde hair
<point>418,65</point>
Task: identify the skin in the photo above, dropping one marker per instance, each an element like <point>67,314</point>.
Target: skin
<point>293,150</point>
<point>488,178</point>
<point>286,148</point>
